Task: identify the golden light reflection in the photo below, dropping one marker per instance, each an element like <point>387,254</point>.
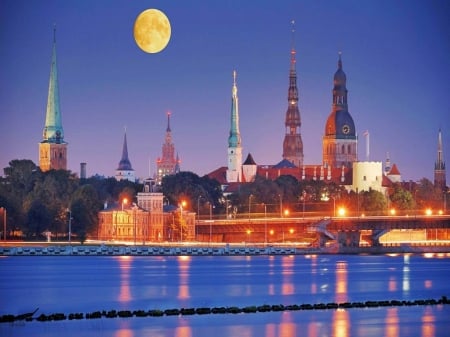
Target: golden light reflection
<point>124,267</point>
<point>392,328</point>
<point>287,264</point>
<point>271,330</point>
<point>287,326</point>
<point>392,285</point>
<point>341,282</point>
<point>428,328</point>
<point>341,323</point>
<point>184,264</point>
<point>183,329</point>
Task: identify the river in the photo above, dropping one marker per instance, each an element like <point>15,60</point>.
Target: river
<point>72,284</point>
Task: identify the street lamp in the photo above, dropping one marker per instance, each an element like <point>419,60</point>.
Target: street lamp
<point>281,205</point>
<point>182,204</point>
<point>124,202</point>
<point>304,199</point>
<point>265,224</point>
<point>4,222</point>
<point>70,224</point>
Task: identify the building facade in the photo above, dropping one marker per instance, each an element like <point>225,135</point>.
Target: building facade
<point>339,144</point>
<point>53,148</point>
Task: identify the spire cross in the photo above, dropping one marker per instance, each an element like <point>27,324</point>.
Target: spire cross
<point>234,77</point>
<point>293,45</point>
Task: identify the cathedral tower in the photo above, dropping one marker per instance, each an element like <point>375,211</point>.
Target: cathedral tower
<point>439,166</point>
<point>234,171</point>
<point>124,170</point>
<point>167,164</point>
<point>53,148</point>
<point>293,144</point>
<point>340,140</point>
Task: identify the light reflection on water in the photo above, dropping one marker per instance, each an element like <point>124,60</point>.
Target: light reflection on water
<point>184,281</point>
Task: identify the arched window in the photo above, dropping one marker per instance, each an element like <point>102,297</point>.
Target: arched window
<point>343,149</point>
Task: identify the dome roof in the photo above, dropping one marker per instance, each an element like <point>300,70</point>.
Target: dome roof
<point>340,124</point>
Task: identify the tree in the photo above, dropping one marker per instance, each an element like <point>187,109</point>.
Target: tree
<point>373,201</point>
<point>428,196</point>
<point>191,188</point>
<point>85,206</point>
<point>38,219</point>
<point>401,198</point>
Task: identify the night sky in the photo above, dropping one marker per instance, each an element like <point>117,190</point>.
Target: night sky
<point>396,55</point>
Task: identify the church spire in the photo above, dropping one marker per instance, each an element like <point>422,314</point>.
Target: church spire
<point>124,170</point>
<point>293,144</point>
<point>167,164</point>
<point>53,148</point>
<point>234,171</point>
<point>53,130</point>
<point>439,166</point>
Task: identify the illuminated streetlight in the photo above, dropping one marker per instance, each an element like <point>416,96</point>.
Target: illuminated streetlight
<point>70,224</point>
<point>286,212</point>
<point>428,211</point>
<point>392,211</point>
<point>182,204</point>
<point>124,202</point>
<point>341,211</point>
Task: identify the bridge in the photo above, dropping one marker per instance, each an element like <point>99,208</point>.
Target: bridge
<point>319,231</point>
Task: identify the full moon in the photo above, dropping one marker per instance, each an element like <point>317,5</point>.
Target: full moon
<point>152,31</point>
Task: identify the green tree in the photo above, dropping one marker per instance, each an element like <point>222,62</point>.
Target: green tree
<point>428,196</point>
<point>85,206</point>
<point>38,219</point>
<point>373,202</point>
<point>401,198</point>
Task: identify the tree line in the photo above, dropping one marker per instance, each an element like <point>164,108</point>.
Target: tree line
<point>39,202</point>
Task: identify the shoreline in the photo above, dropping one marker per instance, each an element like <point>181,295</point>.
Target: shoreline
<point>201,249</point>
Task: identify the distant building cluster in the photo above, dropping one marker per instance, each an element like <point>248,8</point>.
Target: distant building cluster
<point>339,145</point>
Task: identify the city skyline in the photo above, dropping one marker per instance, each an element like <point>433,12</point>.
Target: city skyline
<point>397,77</point>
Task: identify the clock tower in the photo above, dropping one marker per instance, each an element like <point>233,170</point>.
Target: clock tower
<point>339,144</point>
<point>53,148</point>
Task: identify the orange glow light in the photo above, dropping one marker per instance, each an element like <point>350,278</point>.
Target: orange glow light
<point>286,212</point>
<point>428,211</point>
<point>341,211</point>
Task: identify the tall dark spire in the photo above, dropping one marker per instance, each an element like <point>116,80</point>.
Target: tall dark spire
<point>439,166</point>
<point>293,144</point>
<point>125,164</point>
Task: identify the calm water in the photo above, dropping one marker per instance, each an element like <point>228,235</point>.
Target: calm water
<point>85,284</point>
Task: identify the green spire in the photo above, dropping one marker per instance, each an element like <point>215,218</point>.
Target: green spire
<point>234,140</point>
<point>53,130</point>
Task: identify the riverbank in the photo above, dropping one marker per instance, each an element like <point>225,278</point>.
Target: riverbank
<point>198,249</point>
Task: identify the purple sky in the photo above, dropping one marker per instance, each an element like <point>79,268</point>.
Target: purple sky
<point>396,55</point>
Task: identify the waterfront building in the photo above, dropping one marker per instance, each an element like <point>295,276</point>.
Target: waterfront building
<point>293,144</point>
<point>167,164</point>
<point>124,170</point>
<point>53,147</point>
<point>339,145</point>
<point>234,171</point>
<point>439,166</point>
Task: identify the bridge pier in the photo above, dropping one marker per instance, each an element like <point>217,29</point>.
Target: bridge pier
<point>348,238</point>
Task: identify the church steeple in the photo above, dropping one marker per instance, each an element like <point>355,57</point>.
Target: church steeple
<point>53,148</point>
<point>439,166</point>
<point>124,170</point>
<point>293,144</point>
<point>339,144</point>
<point>167,164</point>
<point>234,172</point>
